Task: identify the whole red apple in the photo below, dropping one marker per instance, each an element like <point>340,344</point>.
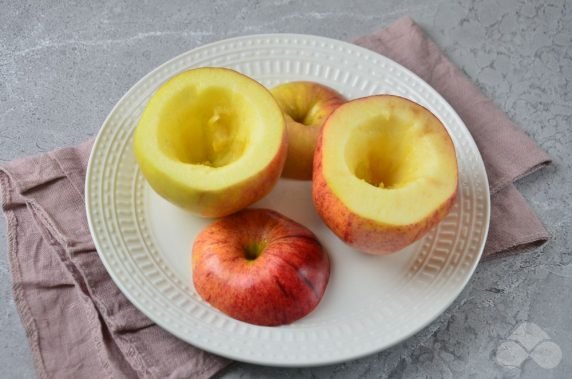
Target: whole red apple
<point>260,267</point>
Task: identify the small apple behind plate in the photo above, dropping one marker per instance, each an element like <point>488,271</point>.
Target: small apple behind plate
<point>306,105</point>
<point>260,267</point>
<point>385,173</point>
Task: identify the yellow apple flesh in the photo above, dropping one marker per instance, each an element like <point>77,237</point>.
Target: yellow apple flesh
<point>306,105</point>
<point>385,173</point>
<point>212,141</point>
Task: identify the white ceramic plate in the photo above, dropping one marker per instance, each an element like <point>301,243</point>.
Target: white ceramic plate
<point>371,302</point>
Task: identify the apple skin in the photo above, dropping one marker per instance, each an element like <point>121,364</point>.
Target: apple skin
<point>306,105</point>
<point>285,282</point>
<point>360,233</point>
<point>367,235</point>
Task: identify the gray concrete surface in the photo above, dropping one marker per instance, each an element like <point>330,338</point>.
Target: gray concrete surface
<point>64,65</point>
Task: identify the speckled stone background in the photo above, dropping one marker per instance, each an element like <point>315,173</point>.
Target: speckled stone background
<point>63,67</point>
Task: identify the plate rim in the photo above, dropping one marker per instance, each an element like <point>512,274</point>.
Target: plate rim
<point>317,362</point>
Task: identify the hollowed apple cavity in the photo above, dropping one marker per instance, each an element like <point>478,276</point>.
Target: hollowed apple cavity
<point>385,173</point>
<point>212,141</point>
<point>208,127</point>
<point>380,152</point>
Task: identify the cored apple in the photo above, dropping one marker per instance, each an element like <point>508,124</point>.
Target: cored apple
<point>212,141</point>
<point>385,173</point>
<point>306,105</point>
<point>260,267</point>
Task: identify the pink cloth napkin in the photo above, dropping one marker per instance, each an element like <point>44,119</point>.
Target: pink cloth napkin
<point>80,325</point>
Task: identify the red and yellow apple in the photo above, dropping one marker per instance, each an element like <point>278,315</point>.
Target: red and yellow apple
<point>212,141</point>
<point>260,267</point>
<point>306,105</point>
<point>385,173</point>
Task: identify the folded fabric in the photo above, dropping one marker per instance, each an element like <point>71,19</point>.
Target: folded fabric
<point>78,322</point>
